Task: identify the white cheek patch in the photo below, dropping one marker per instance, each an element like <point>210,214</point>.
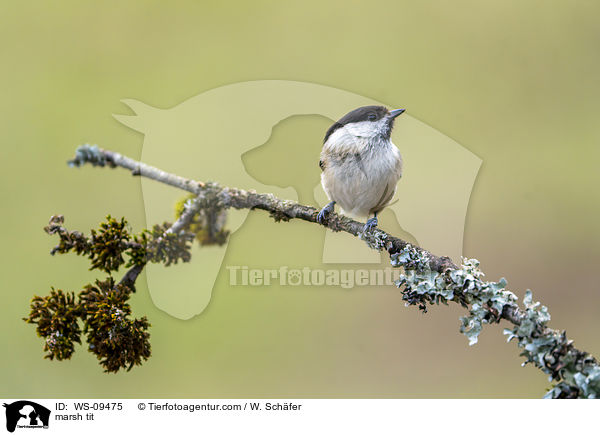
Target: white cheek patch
<point>361,129</point>
<point>355,136</point>
<point>367,129</point>
<point>343,140</point>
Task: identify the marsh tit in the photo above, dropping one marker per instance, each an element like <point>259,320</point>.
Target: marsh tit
<point>361,166</point>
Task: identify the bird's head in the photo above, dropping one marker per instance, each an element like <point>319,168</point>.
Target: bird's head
<point>368,122</point>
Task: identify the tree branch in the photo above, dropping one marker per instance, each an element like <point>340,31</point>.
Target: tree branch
<point>191,209</point>
<point>427,279</point>
<point>280,210</point>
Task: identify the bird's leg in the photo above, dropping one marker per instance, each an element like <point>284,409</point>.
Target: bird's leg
<point>325,211</point>
<point>371,223</point>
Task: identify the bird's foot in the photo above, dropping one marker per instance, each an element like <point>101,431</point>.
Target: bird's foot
<point>371,223</point>
<point>324,212</point>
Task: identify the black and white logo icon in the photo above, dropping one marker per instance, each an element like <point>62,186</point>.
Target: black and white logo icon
<point>26,414</point>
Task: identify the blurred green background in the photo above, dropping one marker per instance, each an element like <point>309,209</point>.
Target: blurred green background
<point>515,82</point>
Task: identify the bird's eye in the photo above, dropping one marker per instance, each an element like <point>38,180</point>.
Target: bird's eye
<point>372,117</point>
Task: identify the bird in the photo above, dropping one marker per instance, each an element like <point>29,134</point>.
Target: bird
<point>360,165</point>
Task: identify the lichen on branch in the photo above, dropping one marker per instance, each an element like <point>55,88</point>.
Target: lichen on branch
<point>577,373</point>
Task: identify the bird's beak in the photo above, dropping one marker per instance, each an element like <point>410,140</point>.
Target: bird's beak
<point>397,112</point>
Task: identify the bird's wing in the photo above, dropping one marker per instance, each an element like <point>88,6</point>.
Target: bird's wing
<point>386,197</point>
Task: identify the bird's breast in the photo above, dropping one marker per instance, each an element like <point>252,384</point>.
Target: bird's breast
<point>361,181</point>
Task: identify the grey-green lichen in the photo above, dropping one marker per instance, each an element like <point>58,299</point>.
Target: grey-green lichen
<point>577,373</point>
<point>88,154</point>
<point>374,239</point>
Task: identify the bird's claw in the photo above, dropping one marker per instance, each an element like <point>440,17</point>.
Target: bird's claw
<point>371,223</point>
<point>324,212</point>
<point>321,216</point>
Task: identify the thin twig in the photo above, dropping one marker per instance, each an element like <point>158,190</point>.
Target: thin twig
<point>180,224</point>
